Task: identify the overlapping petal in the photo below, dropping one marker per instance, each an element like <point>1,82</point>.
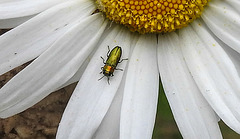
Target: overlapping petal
<point>21,8</point>
<point>53,68</point>
<point>13,22</point>
<point>140,91</point>
<point>224,22</point>
<point>235,4</point>
<point>110,125</point>
<point>234,55</point>
<point>29,40</point>
<point>92,98</point>
<point>194,117</point>
<point>213,72</point>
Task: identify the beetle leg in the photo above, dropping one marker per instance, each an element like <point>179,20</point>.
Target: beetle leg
<point>118,69</point>
<point>108,80</point>
<point>101,71</point>
<point>122,60</point>
<point>103,60</point>
<point>101,77</point>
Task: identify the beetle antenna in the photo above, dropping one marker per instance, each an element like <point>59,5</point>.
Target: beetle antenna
<point>103,60</point>
<point>108,51</point>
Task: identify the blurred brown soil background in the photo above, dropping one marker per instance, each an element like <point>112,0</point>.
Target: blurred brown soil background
<point>41,120</point>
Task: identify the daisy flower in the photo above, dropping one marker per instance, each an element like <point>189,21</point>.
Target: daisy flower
<point>192,44</point>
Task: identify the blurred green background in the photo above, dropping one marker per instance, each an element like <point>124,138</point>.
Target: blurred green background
<point>166,128</point>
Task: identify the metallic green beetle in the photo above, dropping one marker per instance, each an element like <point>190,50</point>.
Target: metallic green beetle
<point>112,61</point>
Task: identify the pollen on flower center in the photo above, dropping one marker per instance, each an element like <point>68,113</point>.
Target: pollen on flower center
<point>154,16</point>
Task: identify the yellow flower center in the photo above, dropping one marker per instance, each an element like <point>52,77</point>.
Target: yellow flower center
<point>153,16</point>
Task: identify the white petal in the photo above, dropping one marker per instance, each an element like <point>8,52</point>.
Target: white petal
<point>53,68</point>
<point>29,40</point>
<point>194,117</point>
<point>79,73</point>
<point>141,91</point>
<point>235,4</point>
<point>76,77</point>
<point>21,8</point>
<point>213,72</point>
<point>92,98</point>
<point>13,22</point>
<point>235,56</point>
<point>224,22</point>
<point>110,126</point>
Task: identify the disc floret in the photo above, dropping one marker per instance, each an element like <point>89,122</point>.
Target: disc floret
<point>153,16</point>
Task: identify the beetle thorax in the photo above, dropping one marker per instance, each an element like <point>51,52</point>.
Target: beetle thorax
<point>108,70</point>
